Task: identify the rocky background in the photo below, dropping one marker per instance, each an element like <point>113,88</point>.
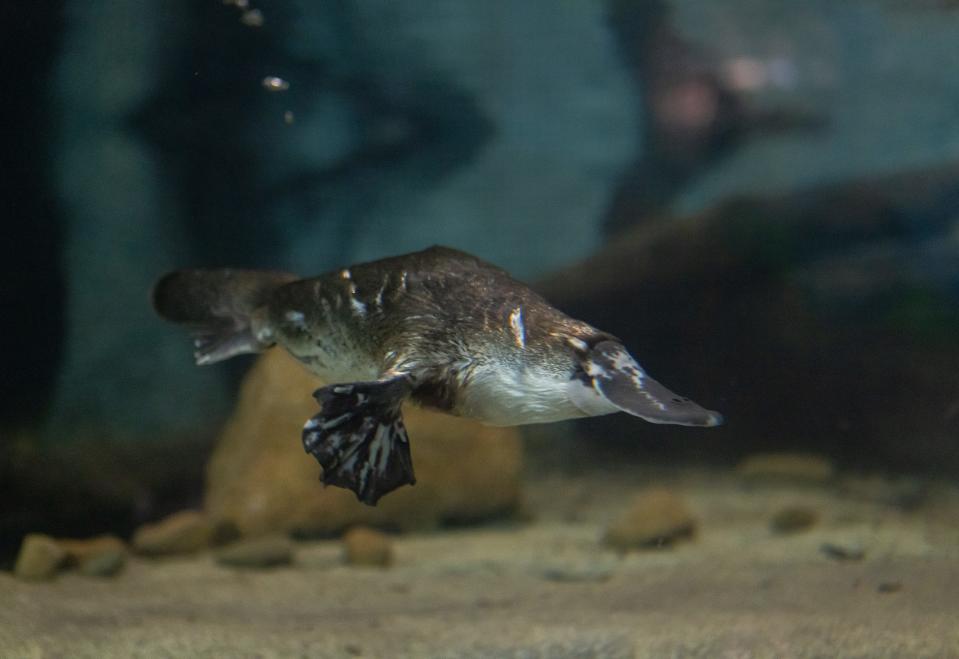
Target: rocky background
<point>760,199</point>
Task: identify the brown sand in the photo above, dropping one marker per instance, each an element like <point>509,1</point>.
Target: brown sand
<point>545,588</point>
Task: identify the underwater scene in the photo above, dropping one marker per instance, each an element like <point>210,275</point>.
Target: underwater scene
<point>480,328</point>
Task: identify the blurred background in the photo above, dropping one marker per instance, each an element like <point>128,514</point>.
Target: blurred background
<point>761,198</point>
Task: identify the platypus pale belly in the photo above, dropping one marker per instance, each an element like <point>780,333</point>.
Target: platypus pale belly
<point>439,327</point>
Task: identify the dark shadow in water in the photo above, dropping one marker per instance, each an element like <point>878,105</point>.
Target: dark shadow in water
<point>31,281</point>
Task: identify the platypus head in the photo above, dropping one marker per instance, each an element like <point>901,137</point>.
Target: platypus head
<point>609,379</point>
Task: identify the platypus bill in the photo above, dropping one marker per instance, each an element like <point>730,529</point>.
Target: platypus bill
<point>440,327</point>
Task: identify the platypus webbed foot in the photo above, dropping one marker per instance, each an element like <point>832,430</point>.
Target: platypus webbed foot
<point>359,438</point>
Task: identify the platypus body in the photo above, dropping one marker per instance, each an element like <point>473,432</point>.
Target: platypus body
<point>440,327</point>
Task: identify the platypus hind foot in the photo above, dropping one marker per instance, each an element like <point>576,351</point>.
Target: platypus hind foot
<point>359,437</point>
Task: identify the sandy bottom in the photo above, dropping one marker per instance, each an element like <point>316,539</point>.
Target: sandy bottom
<point>547,588</point>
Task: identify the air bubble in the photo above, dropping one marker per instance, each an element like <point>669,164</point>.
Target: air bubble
<point>252,18</point>
<point>275,84</point>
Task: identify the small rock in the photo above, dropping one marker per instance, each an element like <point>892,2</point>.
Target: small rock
<point>793,520</point>
<point>788,467</point>
<point>907,494</point>
<point>95,556</point>
<point>40,557</point>
<point>102,556</point>
<point>576,571</point>
<point>889,587</point>
<point>366,546</point>
<point>181,533</point>
<point>657,518</point>
<point>842,552</point>
<point>267,551</point>
<point>105,564</point>
<point>225,532</point>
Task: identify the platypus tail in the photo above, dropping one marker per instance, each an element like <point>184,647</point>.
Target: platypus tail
<point>217,306</point>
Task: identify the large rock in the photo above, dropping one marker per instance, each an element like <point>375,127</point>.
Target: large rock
<point>260,479</point>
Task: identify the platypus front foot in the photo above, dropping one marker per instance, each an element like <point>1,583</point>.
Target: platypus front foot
<point>359,438</point>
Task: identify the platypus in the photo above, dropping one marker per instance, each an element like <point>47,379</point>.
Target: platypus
<point>439,327</point>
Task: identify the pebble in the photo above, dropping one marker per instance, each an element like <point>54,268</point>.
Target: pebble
<point>365,546</point>
<point>81,550</point>
<point>39,559</point>
<point>184,532</point>
<point>263,552</point>
<point>842,552</point>
<point>225,532</point>
<point>102,556</point>
<point>793,519</point>
<point>106,564</point>
<point>576,571</point>
<point>907,494</point>
<point>788,467</point>
<point>656,518</point>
